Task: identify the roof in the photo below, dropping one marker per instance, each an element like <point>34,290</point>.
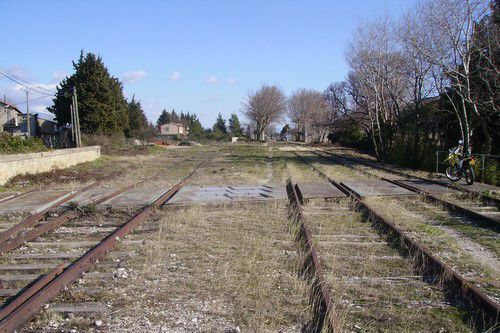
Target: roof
<point>171,123</point>
<point>46,116</point>
<point>7,105</point>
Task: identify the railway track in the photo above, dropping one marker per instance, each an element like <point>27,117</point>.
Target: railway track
<point>486,199</point>
<point>484,215</point>
<point>54,256</point>
<point>440,278</point>
<point>55,215</point>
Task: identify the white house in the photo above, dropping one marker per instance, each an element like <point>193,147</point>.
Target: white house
<point>174,129</point>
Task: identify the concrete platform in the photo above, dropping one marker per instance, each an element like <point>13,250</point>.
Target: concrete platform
<point>138,196</point>
<point>33,202</point>
<point>320,190</point>
<point>376,188</point>
<point>192,194</point>
<point>427,186</point>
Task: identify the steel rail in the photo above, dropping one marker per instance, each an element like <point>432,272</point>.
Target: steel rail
<point>15,196</point>
<point>33,304</point>
<point>37,217</point>
<point>485,310</point>
<point>325,317</point>
<point>479,219</point>
<point>484,198</point>
<point>9,243</point>
<point>19,240</point>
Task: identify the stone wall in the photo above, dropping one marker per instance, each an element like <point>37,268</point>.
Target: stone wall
<point>19,164</point>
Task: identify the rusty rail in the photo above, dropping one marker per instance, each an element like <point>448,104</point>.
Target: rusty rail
<point>19,240</point>
<point>484,309</point>
<point>37,217</point>
<point>484,198</point>
<point>324,314</point>
<point>479,219</point>
<point>15,196</point>
<point>7,240</point>
<point>35,302</point>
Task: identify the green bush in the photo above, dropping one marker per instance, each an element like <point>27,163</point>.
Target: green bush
<point>20,145</point>
<point>490,172</point>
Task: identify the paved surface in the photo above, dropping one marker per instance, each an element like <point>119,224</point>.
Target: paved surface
<point>477,186</point>
<point>138,196</point>
<point>92,194</point>
<point>320,190</point>
<point>376,188</point>
<point>428,186</point>
<point>4,196</point>
<point>211,194</point>
<point>33,202</point>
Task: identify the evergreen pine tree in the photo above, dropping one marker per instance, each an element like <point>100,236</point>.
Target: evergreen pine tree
<point>137,118</point>
<point>234,125</point>
<point>194,126</point>
<point>101,105</point>
<point>174,117</point>
<point>164,118</point>
<point>220,124</point>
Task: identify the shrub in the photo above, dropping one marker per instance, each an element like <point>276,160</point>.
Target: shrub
<point>20,145</point>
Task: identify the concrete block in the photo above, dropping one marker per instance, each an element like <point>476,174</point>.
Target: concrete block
<point>19,164</point>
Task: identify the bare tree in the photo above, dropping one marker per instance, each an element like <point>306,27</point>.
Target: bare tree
<point>264,107</point>
<point>442,34</point>
<point>308,110</point>
<point>377,81</point>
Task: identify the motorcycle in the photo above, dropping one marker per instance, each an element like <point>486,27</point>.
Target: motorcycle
<point>460,167</point>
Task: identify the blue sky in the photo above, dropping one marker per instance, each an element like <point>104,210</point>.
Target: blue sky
<point>198,56</point>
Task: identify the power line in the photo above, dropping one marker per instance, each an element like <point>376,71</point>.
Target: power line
<point>25,86</point>
<point>31,100</point>
<point>20,79</point>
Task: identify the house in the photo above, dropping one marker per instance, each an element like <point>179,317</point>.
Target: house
<point>10,117</point>
<point>47,129</point>
<point>174,129</point>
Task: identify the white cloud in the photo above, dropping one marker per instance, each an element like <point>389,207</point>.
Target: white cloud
<point>58,76</point>
<point>231,80</point>
<point>20,72</point>
<point>18,91</point>
<point>175,76</point>
<point>134,76</point>
<point>211,80</point>
<point>38,102</point>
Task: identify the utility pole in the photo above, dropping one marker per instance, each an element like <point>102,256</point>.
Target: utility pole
<point>77,119</point>
<point>28,123</point>
<point>72,121</point>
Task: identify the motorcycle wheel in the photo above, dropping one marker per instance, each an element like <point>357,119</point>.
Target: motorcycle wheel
<point>469,176</point>
<point>453,173</point>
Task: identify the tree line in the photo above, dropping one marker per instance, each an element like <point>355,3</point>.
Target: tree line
<point>104,110</point>
<point>219,131</point>
<point>420,83</point>
<point>415,85</point>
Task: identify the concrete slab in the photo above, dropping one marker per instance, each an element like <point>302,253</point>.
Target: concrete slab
<point>4,196</point>
<point>91,195</point>
<point>320,190</point>
<point>427,186</point>
<point>214,194</point>
<point>138,196</point>
<point>33,202</point>
<point>376,188</point>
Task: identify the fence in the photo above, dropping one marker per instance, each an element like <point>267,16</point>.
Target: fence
<point>487,168</point>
